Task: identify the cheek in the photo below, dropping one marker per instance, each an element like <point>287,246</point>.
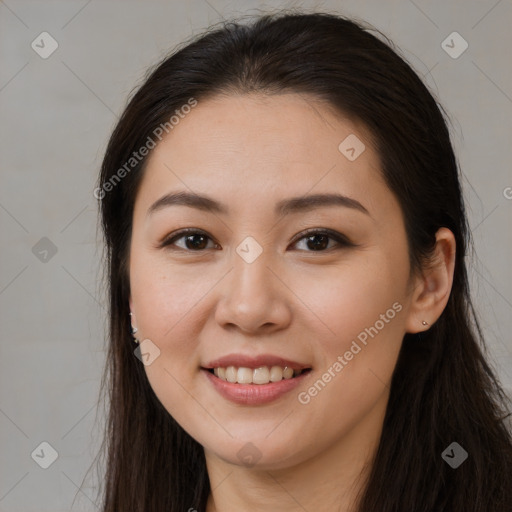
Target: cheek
<point>348,299</point>
<point>359,350</point>
<point>168,310</point>
<point>360,314</point>
<point>166,298</point>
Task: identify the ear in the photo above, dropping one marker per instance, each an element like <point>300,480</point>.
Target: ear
<point>433,287</point>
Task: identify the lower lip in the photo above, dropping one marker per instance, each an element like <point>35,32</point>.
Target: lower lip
<point>254,394</point>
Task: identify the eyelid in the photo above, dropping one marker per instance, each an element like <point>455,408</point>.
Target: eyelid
<point>340,238</point>
<point>175,235</point>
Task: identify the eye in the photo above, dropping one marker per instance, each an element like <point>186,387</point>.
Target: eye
<point>316,239</point>
<point>194,240</point>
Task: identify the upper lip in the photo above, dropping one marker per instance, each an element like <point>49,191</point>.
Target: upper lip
<point>241,360</point>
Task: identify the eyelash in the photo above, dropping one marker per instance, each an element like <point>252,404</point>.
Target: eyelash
<point>340,239</point>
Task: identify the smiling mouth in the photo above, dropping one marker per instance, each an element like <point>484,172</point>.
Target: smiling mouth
<point>258,376</point>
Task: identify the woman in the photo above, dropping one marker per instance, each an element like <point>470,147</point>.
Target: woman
<point>286,239</point>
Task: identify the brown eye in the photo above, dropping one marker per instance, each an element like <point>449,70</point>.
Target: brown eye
<point>193,240</point>
<point>318,240</point>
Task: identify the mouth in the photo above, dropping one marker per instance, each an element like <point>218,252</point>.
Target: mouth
<point>258,376</point>
<point>258,386</point>
<point>253,380</point>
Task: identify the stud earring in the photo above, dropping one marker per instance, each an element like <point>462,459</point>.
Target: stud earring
<point>424,323</point>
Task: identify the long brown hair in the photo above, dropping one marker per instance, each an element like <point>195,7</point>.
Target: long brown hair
<point>443,389</point>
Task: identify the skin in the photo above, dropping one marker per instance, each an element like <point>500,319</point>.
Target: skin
<point>249,152</point>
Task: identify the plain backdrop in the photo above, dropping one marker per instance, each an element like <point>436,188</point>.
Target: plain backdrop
<point>56,115</point>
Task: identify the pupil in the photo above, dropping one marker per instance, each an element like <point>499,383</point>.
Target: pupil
<point>318,244</point>
<point>195,245</point>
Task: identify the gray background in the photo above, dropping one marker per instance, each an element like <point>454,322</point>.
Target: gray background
<point>56,116</point>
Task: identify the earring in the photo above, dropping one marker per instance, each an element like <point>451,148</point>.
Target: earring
<point>134,330</point>
<point>424,323</point>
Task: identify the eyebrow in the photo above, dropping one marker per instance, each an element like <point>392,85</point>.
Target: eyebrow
<point>282,208</point>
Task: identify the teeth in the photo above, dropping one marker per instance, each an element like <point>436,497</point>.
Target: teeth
<point>231,374</point>
<point>261,375</point>
<point>244,376</point>
<point>287,373</point>
<point>276,373</point>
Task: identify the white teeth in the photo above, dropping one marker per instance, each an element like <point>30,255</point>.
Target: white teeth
<point>244,376</point>
<point>287,373</point>
<point>231,374</point>
<point>261,375</point>
<point>276,373</point>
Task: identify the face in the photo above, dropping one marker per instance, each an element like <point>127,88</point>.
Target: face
<point>302,300</point>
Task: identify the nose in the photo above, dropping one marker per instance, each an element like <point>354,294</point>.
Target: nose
<point>254,297</point>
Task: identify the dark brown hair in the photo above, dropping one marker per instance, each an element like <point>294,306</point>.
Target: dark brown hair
<point>443,389</point>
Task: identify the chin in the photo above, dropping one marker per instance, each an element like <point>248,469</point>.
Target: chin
<point>259,454</point>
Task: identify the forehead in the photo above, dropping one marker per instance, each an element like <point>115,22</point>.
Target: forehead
<point>257,149</point>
